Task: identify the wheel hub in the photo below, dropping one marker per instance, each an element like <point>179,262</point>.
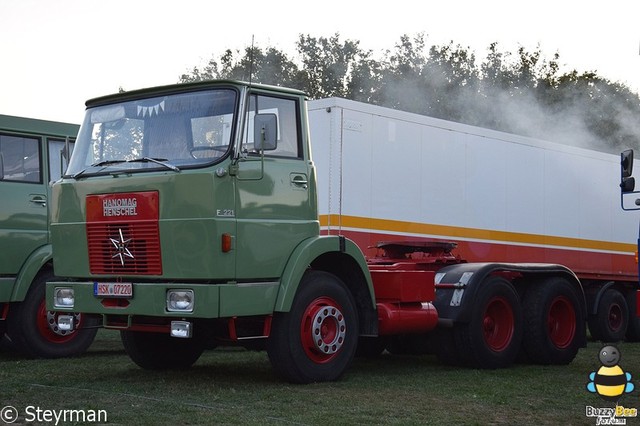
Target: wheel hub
<point>498,324</point>
<point>561,322</point>
<point>615,317</point>
<point>329,329</point>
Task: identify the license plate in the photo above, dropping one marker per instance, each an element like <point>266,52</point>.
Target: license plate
<point>113,289</point>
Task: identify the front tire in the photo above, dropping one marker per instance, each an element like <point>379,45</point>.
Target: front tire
<point>159,351</point>
<point>316,340</point>
<point>34,330</point>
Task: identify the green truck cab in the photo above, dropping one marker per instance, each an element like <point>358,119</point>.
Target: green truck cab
<point>188,215</point>
<point>33,153</point>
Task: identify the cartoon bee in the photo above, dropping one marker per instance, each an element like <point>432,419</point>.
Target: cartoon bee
<point>610,382</point>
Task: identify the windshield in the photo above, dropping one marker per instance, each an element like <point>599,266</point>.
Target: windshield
<point>173,131</point>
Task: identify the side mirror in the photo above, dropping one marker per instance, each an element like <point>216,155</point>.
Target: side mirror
<point>65,155</point>
<point>265,132</point>
<point>626,163</point>
<point>627,183</point>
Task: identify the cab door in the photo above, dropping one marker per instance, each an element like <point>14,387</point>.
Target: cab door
<point>275,205</point>
<point>24,195</point>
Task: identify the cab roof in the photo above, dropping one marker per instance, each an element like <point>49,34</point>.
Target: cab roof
<point>187,87</point>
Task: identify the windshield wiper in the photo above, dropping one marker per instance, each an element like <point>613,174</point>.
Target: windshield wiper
<point>98,164</point>
<point>160,161</point>
<point>106,163</point>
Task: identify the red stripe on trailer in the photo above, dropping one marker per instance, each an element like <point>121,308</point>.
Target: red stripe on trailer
<point>586,264</point>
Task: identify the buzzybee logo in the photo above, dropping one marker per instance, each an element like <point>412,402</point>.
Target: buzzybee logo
<point>610,382</point>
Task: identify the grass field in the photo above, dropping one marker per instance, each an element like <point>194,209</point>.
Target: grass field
<point>233,386</point>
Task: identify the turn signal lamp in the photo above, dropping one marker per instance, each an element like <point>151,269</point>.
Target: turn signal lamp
<point>227,243</point>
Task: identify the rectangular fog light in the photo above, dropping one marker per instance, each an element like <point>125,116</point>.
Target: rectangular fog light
<point>63,297</point>
<point>65,322</point>
<point>180,300</point>
<point>181,329</point>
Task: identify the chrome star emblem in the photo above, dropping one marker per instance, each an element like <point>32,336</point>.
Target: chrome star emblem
<point>121,248</point>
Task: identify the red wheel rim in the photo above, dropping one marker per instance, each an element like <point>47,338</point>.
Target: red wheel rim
<point>322,330</point>
<point>615,317</point>
<point>561,322</point>
<point>47,323</point>
<point>498,324</point>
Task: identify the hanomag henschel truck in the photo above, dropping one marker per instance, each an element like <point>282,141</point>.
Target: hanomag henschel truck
<point>32,154</point>
<point>189,214</point>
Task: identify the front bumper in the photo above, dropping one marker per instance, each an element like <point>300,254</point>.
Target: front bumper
<point>150,299</point>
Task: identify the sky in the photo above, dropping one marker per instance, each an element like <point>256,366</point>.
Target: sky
<point>56,54</point>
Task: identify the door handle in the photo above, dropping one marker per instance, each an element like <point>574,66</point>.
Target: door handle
<point>39,199</point>
<point>300,180</point>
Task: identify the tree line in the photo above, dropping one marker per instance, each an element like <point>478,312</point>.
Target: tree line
<point>522,92</point>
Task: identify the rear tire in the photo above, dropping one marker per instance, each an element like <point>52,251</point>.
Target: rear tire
<point>633,328</point>
<point>554,322</point>
<point>492,338</point>
<point>34,330</point>
<point>159,351</point>
<point>316,340</point>
<point>611,320</point>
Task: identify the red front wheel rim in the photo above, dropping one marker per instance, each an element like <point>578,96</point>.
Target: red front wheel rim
<point>47,323</point>
<point>323,330</point>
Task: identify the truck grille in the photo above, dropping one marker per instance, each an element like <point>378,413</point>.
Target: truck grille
<point>124,246</point>
<point>143,246</point>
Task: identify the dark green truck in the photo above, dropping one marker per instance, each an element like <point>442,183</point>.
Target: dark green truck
<point>33,153</point>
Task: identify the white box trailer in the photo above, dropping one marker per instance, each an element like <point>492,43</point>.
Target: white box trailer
<point>388,175</point>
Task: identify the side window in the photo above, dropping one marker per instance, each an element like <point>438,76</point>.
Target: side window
<point>20,159</point>
<point>58,157</point>
<point>286,112</point>
<point>211,135</point>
